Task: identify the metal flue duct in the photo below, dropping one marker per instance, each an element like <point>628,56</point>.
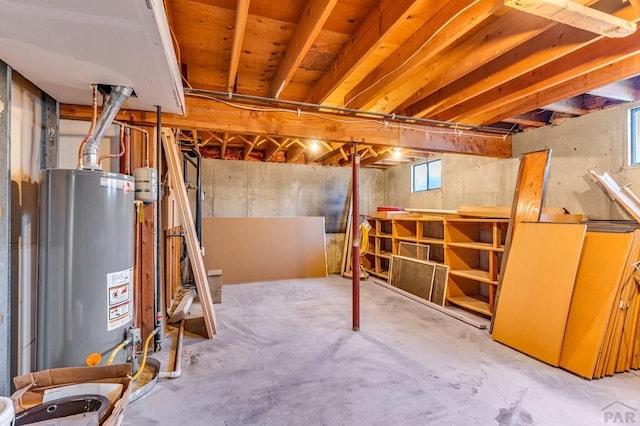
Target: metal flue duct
<point>118,95</point>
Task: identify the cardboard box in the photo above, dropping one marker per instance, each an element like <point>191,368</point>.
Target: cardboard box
<point>30,387</point>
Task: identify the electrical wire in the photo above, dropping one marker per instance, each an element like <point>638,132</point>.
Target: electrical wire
<point>377,123</point>
<point>415,53</point>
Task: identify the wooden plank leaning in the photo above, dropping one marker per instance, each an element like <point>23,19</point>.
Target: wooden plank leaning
<point>186,218</point>
<point>527,203</point>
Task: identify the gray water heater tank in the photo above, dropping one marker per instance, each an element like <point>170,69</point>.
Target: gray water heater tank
<point>86,255</point>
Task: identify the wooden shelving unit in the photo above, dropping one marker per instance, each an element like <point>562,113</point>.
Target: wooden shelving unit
<point>473,251</point>
<point>386,235</point>
<point>377,259</point>
<point>424,230</point>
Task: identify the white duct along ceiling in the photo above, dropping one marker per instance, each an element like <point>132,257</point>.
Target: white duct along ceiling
<point>65,46</point>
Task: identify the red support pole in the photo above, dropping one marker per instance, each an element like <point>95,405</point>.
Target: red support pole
<point>355,270</point>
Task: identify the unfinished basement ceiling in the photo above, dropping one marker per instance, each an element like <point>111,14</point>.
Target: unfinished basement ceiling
<point>470,62</point>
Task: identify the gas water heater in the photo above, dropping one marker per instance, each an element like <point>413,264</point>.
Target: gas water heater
<point>86,256</point>
<point>85,299</point>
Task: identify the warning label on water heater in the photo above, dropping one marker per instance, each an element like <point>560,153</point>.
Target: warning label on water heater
<point>120,301</point>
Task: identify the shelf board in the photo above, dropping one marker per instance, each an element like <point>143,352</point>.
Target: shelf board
<point>475,245</point>
<point>385,254</point>
<point>384,235</point>
<point>474,274</point>
<point>408,239</point>
<point>427,240</point>
<point>476,303</point>
<point>476,220</point>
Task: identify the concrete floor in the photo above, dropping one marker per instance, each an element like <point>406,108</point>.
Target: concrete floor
<point>285,355</point>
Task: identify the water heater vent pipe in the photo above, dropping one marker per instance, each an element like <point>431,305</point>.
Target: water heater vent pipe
<point>118,95</point>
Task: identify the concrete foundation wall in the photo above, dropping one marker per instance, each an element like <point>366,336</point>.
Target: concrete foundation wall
<point>466,180</point>
<point>598,141</point>
<point>251,189</point>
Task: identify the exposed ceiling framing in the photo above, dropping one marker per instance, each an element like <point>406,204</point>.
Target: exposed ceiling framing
<point>471,62</point>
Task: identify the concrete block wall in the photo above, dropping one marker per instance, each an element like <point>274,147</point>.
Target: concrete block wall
<point>253,189</point>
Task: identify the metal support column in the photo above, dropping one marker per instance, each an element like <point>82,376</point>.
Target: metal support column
<point>355,227</point>
<point>6,356</point>
<point>50,126</point>
<point>157,342</point>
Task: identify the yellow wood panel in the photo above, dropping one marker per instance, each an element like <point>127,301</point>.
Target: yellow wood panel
<point>593,296</point>
<point>537,288</point>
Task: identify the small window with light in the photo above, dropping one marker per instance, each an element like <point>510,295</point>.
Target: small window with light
<point>634,136</point>
<point>426,176</point>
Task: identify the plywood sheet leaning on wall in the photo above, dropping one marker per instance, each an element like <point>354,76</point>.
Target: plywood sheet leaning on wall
<point>265,248</point>
<point>537,288</point>
<point>596,285</point>
<point>186,218</point>
<point>527,204</point>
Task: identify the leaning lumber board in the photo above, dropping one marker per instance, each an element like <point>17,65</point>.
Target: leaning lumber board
<point>527,204</point>
<point>501,212</point>
<point>594,292</point>
<point>471,320</point>
<point>629,334</point>
<point>606,348</point>
<point>614,190</point>
<point>620,319</point>
<point>537,288</point>
<point>186,218</point>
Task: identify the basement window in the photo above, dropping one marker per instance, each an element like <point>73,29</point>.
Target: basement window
<point>426,176</point>
<point>634,136</point>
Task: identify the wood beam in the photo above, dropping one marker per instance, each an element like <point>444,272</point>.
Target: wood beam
<point>540,50</point>
<point>273,149</point>
<point>341,154</point>
<point>312,20</point>
<point>380,157</point>
<point>334,151</point>
<point>249,147</point>
<point>204,114</point>
<point>383,20</point>
<point>223,147</point>
<point>582,82</point>
<point>574,106</point>
<point>596,58</point>
<point>242,12</point>
<point>551,45</point>
<point>530,119</point>
<point>293,152</point>
<point>625,91</point>
<point>576,15</point>
<point>449,21</point>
